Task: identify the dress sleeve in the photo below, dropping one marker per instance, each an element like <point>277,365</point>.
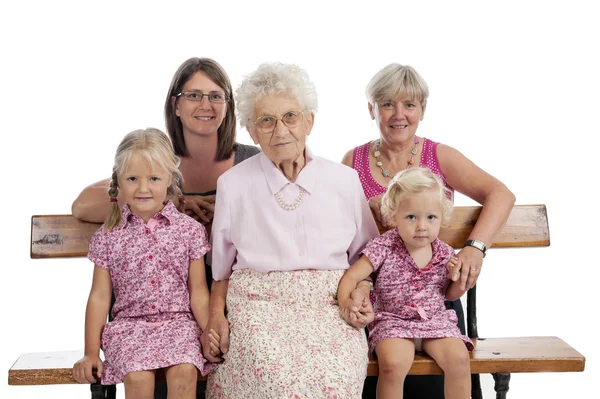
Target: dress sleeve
<point>366,228</point>
<point>99,248</point>
<point>198,241</point>
<point>223,251</point>
<point>376,252</point>
<point>449,251</point>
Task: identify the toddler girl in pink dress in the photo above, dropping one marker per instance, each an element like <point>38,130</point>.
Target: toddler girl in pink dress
<point>152,257</point>
<point>411,267</point>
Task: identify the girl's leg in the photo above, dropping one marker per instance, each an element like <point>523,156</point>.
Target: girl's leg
<point>395,357</point>
<point>181,381</point>
<point>452,356</point>
<point>139,385</point>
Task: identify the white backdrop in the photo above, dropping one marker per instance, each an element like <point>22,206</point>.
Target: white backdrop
<point>514,86</point>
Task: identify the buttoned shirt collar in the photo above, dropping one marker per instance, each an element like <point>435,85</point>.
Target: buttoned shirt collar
<point>277,180</point>
<point>167,213</point>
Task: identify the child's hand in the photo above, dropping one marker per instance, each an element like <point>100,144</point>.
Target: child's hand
<point>83,369</point>
<point>453,266</point>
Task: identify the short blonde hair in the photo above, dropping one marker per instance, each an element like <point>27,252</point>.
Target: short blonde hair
<point>413,181</point>
<point>155,147</point>
<point>273,79</point>
<point>396,80</point>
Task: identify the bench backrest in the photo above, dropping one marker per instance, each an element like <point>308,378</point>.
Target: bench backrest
<point>63,236</point>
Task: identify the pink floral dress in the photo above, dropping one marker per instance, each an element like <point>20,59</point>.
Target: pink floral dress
<point>408,301</point>
<point>153,324</point>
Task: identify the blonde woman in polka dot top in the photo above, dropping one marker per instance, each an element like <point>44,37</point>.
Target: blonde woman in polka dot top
<point>397,97</point>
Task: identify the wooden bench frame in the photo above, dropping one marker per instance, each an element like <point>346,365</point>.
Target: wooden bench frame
<point>62,236</point>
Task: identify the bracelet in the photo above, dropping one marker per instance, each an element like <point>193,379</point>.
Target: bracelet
<point>477,244</point>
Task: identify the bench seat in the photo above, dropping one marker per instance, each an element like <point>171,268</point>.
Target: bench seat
<point>491,355</point>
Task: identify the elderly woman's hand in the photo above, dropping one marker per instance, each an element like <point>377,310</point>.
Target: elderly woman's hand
<point>472,260</point>
<point>357,310</point>
<point>215,338</point>
<point>200,207</point>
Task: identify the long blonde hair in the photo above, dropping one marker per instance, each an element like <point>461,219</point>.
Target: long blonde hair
<point>153,145</point>
<point>409,182</point>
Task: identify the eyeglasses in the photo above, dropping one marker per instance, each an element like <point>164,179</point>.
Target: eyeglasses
<point>196,95</point>
<point>267,123</point>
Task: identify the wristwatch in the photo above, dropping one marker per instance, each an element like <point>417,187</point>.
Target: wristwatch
<point>477,244</point>
<point>368,280</point>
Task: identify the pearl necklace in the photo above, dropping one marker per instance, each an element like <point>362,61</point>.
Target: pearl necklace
<point>286,205</point>
<point>377,154</point>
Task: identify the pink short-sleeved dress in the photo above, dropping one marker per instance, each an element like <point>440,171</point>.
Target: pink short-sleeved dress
<point>153,324</point>
<point>409,302</point>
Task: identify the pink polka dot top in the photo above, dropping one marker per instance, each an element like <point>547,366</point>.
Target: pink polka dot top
<point>360,163</point>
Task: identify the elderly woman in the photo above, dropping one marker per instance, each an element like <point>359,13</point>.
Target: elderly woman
<point>397,97</point>
<point>287,225</point>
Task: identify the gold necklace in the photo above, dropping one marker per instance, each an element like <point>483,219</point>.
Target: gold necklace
<point>377,154</point>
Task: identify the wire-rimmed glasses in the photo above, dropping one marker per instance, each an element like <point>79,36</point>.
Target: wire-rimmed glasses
<point>266,123</point>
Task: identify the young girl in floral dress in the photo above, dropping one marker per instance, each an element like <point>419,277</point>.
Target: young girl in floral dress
<point>411,267</point>
<point>152,257</point>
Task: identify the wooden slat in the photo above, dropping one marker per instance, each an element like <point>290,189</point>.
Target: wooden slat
<point>492,355</point>
<point>46,368</point>
<point>527,226</point>
<point>509,355</point>
<point>60,236</point>
<point>63,236</point>
<point>51,368</point>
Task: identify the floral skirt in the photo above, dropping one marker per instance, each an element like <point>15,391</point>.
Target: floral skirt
<point>288,340</point>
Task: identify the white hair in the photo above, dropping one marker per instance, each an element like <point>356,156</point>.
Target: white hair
<point>273,79</point>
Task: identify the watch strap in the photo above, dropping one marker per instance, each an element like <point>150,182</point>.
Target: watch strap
<point>477,244</point>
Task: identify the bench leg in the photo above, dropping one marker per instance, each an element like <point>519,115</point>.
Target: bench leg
<point>103,391</point>
<point>501,385</point>
<point>476,387</point>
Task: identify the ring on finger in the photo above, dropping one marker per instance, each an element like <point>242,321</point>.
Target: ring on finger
<point>473,269</point>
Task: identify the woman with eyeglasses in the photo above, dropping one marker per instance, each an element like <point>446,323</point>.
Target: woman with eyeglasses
<point>279,254</point>
<point>200,120</point>
<point>397,97</point>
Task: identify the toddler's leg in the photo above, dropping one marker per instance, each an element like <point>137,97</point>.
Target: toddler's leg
<point>139,385</point>
<point>395,357</point>
<point>452,356</point>
<point>181,381</point>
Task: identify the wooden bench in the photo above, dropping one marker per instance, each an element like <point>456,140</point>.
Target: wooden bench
<point>64,236</point>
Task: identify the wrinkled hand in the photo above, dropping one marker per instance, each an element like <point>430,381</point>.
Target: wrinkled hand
<point>200,207</point>
<point>215,338</point>
<point>472,260</point>
<point>454,266</point>
<point>357,310</point>
<point>215,342</point>
<point>83,369</point>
